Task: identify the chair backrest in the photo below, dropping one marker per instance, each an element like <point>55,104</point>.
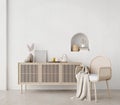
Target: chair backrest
<point>98,62</point>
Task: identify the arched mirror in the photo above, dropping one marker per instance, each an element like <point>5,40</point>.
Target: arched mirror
<point>79,42</point>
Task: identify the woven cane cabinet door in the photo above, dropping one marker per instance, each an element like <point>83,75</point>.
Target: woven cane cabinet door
<point>50,73</point>
<point>28,73</point>
<point>68,73</point>
<point>46,74</point>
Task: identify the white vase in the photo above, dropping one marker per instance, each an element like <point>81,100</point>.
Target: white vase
<point>64,58</point>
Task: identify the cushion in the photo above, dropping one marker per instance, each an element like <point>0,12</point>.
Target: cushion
<point>93,77</point>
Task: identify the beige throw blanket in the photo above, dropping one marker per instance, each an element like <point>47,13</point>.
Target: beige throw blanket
<point>83,86</point>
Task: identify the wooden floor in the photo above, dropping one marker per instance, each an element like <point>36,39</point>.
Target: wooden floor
<point>56,97</point>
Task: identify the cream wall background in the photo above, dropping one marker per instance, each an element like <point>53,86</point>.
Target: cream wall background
<point>50,24</point>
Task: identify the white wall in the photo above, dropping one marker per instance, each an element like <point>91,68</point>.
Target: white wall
<point>50,24</point>
<point>3,43</point>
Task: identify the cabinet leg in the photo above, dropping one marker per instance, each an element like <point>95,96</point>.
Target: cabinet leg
<point>21,90</point>
<point>25,87</point>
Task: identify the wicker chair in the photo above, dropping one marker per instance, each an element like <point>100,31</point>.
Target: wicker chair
<point>100,70</point>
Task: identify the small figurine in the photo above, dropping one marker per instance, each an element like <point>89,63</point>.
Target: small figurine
<point>30,56</point>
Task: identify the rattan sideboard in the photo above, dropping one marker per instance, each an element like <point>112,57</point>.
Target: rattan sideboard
<point>47,73</point>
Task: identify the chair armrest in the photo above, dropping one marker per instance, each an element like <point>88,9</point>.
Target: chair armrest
<point>105,73</point>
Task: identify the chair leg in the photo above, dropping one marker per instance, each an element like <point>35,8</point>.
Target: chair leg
<point>108,90</point>
<point>95,92</point>
<point>89,91</point>
<point>91,88</point>
<point>21,90</point>
<point>25,87</point>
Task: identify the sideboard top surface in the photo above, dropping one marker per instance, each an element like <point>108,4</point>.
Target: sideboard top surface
<point>49,63</point>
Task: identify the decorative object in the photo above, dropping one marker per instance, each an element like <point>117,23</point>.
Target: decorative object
<point>82,45</point>
<point>40,56</point>
<point>53,59</point>
<point>30,56</point>
<point>63,58</point>
<point>75,47</point>
<point>30,48</point>
<point>79,42</point>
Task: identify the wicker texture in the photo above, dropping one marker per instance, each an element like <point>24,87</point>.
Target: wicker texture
<point>29,73</point>
<point>69,73</point>
<point>101,66</point>
<point>50,73</point>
